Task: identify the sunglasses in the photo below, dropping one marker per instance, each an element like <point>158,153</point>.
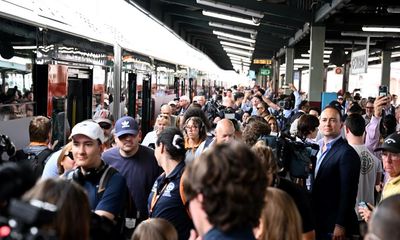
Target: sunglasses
<point>70,155</point>
<point>105,126</point>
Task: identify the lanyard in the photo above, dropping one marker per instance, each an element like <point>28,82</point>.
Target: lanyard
<point>156,196</point>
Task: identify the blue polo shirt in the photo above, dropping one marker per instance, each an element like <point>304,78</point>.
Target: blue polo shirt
<point>245,233</point>
<point>169,205</point>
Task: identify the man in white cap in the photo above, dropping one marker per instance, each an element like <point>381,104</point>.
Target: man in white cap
<point>105,186</point>
<point>87,138</point>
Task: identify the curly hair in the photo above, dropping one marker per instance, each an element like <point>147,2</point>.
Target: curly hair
<point>196,112</point>
<point>233,183</point>
<point>254,129</point>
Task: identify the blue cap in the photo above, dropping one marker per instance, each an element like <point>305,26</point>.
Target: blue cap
<point>126,125</point>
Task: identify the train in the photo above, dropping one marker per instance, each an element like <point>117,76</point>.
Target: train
<point>65,59</point>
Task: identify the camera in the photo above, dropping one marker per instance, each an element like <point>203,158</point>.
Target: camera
<point>383,91</point>
<point>285,104</point>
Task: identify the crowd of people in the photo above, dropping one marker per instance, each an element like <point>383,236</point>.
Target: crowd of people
<point>244,164</point>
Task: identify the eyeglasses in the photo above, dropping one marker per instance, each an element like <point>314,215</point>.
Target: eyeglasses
<point>260,108</point>
<point>393,156</point>
<point>105,125</point>
<point>70,155</point>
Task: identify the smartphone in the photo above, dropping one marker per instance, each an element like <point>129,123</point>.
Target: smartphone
<point>383,91</point>
<point>363,205</point>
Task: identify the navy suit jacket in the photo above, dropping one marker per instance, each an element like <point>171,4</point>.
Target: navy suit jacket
<point>335,190</point>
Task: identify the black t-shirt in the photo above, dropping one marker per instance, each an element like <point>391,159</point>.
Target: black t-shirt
<point>302,202</point>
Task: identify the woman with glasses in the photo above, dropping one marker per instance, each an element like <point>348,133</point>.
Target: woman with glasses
<point>162,121</point>
<point>195,133</point>
<point>65,161</point>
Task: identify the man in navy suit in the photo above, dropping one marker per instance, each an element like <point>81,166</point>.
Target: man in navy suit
<point>335,186</point>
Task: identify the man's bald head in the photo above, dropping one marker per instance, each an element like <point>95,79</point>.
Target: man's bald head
<point>225,131</point>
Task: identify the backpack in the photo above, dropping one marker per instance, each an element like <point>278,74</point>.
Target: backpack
<point>37,162</point>
<point>125,222</point>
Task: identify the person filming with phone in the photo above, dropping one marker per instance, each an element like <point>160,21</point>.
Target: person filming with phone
<point>390,151</point>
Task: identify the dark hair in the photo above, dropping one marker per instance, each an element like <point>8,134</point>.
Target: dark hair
<point>173,141</point>
<point>336,108</point>
<point>303,104</point>
<point>39,129</point>
<point>197,112</point>
<point>355,108</point>
<point>388,125</point>
<point>254,130</point>
<point>71,222</point>
<point>356,124</point>
<point>315,109</point>
<point>306,125</point>
<point>233,184</point>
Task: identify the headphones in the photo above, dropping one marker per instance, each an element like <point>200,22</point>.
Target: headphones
<point>91,175</point>
<point>197,120</point>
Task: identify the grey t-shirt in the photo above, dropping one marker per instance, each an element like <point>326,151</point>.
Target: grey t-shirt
<point>370,166</point>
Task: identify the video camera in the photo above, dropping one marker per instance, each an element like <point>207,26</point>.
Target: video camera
<point>19,219</point>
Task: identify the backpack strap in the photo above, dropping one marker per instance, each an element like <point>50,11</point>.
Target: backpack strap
<point>105,178</point>
<point>209,139</point>
<point>43,155</point>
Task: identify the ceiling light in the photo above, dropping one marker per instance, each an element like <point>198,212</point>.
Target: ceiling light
<point>241,60</point>
<point>237,56</point>
<point>223,43</point>
<point>237,51</point>
<point>233,28</point>
<point>240,63</point>
<point>235,40</point>
<point>325,51</point>
<point>230,18</point>
<point>232,8</point>
<point>380,29</point>
<point>228,35</point>
<point>305,55</point>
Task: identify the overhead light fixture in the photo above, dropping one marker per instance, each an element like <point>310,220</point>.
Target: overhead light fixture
<point>380,29</point>
<point>237,51</point>
<point>254,22</point>
<point>235,40</point>
<point>232,8</point>
<point>223,43</point>
<point>233,28</point>
<point>228,35</point>
<point>241,63</point>
<point>246,60</point>
<point>306,55</point>
<point>231,55</point>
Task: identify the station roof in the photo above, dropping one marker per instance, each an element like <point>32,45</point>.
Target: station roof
<point>274,25</point>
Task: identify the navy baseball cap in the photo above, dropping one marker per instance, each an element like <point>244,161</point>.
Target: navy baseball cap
<point>391,144</point>
<point>126,125</point>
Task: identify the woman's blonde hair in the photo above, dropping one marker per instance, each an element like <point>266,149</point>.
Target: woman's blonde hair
<point>65,150</point>
<point>280,219</point>
<point>155,229</point>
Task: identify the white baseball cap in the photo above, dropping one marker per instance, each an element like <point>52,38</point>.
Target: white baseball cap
<point>90,129</point>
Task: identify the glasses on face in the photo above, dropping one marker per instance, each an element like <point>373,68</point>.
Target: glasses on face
<point>69,155</point>
<point>393,156</point>
<point>105,125</point>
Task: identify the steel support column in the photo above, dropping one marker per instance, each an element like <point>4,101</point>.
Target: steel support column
<point>317,43</point>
